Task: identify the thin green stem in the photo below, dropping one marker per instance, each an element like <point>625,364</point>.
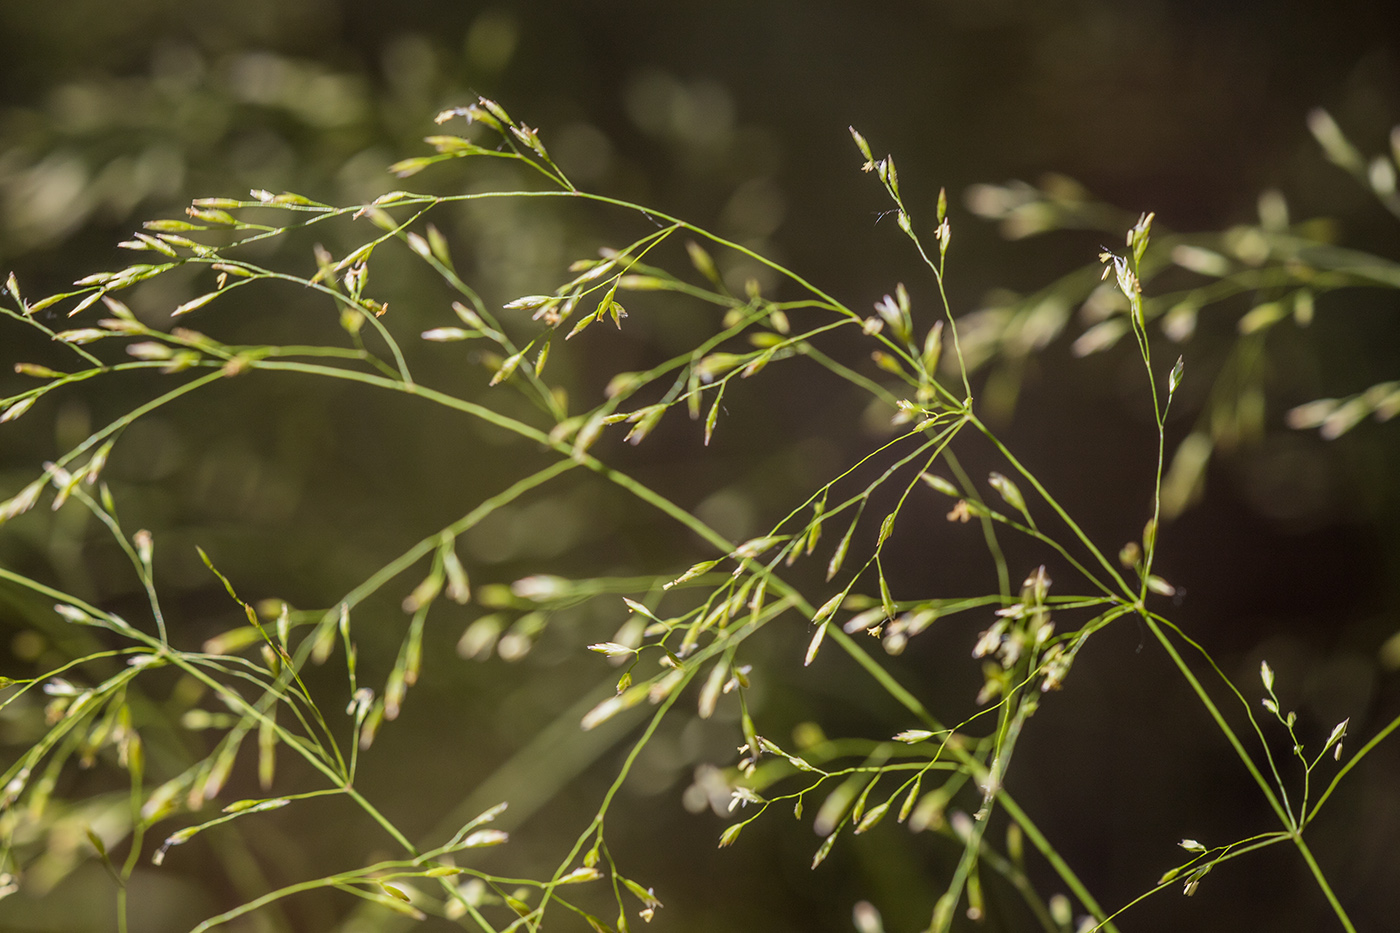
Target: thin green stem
<point>379,818</point>
<point>1048,852</point>
<point>1321,880</point>
<point>1352,762</point>
<point>1054,504</point>
<point>1282,812</point>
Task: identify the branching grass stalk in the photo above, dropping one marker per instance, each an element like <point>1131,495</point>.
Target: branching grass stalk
<point>595,827</point>
<point>989,534</point>
<point>1248,710</point>
<point>1173,877</point>
<point>686,631</point>
<point>1284,815</point>
<point>1054,504</point>
<point>1352,762</point>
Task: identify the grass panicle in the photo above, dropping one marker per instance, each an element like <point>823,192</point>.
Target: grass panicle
<point>682,643</point>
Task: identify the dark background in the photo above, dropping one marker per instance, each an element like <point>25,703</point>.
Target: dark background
<point>734,115</point>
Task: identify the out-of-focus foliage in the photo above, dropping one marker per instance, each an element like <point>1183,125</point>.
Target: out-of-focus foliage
<point>733,116</point>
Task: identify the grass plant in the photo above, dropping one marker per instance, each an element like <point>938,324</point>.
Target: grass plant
<point>683,650</point>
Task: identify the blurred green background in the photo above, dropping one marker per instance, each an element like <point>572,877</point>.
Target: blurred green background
<point>732,115</point>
